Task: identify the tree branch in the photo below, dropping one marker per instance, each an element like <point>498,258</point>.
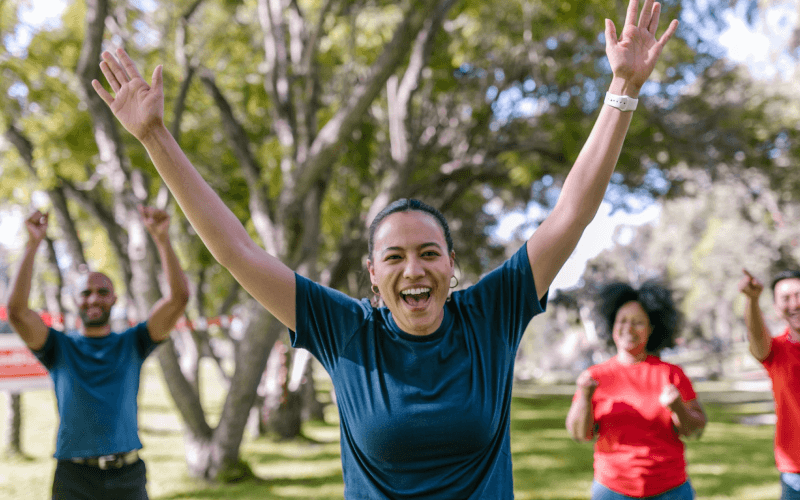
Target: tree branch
<point>324,149</point>
<point>239,142</point>
<point>57,198</point>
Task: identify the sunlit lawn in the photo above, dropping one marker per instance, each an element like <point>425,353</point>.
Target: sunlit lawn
<point>731,461</point>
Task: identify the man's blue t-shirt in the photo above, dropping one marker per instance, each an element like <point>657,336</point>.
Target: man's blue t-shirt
<point>423,417</point>
<point>96,383</point>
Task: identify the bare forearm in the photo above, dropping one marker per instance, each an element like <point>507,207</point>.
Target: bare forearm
<point>580,419</point>
<point>588,179</point>
<point>171,267</point>
<point>28,325</point>
<point>217,226</point>
<point>21,287</point>
<point>688,419</point>
<point>757,333</point>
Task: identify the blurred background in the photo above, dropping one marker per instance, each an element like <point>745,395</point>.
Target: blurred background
<point>309,116</point>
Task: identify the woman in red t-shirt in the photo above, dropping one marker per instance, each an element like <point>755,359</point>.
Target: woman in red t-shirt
<point>635,405</point>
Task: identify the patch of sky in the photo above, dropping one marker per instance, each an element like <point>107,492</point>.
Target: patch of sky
<point>18,90</point>
<point>145,36</point>
<point>33,17</point>
<point>145,5</point>
<point>656,180</point>
<point>529,85</point>
<point>518,225</point>
<point>551,43</point>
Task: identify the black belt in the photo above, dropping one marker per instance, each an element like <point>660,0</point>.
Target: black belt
<point>116,461</point>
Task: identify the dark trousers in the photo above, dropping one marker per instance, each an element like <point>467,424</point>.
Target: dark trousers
<point>83,482</point>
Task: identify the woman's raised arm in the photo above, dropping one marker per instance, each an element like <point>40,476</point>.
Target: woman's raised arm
<point>140,109</point>
<point>632,57</point>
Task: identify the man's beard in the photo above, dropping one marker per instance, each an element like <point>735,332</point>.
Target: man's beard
<point>101,321</point>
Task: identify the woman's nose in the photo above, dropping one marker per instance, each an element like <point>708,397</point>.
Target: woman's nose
<point>413,268</point>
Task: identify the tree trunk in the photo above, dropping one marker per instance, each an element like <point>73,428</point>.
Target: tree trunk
<point>282,407</point>
<point>13,446</point>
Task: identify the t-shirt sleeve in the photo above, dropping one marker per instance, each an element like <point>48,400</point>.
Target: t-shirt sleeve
<point>326,320</point>
<point>508,295</point>
<point>679,379</point>
<point>144,343</point>
<point>773,353</point>
<point>47,354</point>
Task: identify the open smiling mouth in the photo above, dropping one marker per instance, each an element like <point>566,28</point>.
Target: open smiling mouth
<point>416,297</point>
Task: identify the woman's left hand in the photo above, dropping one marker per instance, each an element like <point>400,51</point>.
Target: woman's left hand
<point>634,55</point>
<point>669,396</point>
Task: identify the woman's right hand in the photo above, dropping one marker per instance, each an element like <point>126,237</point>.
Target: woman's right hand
<point>139,107</point>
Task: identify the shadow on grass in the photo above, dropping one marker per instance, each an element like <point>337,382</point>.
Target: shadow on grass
<point>730,462</point>
<point>311,487</point>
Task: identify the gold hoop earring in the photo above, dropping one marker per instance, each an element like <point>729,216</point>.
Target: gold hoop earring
<point>375,290</point>
<point>451,281</point>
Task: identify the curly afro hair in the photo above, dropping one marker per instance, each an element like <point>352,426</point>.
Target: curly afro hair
<point>655,299</point>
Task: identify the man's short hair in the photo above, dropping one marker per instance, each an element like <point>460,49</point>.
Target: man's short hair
<point>784,275</point>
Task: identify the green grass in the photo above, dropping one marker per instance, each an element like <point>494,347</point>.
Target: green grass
<point>731,461</point>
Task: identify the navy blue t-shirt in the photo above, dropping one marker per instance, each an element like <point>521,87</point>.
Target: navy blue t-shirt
<point>96,381</point>
<point>423,417</point>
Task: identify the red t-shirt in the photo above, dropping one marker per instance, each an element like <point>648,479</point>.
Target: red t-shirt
<point>638,451</point>
<point>783,365</point>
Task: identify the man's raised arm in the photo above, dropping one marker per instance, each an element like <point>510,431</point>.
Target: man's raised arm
<point>757,332</point>
<point>22,318</point>
<point>169,309</point>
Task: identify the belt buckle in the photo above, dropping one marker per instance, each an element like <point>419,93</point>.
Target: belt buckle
<point>109,462</point>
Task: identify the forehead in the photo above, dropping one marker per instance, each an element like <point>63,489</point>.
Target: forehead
<point>94,281</point>
<point>787,286</point>
<point>409,229</point>
<point>632,308</point>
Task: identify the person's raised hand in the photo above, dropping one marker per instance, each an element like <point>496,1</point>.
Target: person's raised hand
<point>750,285</point>
<point>156,221</point>
<point>139,107</point>
<point>633,55</point>
<point>36,225</point>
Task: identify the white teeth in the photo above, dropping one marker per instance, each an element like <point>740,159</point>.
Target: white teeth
<point>416,291</point>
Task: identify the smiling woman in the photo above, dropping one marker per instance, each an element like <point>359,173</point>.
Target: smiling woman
<point>411,263</point>
<point>634,404</point>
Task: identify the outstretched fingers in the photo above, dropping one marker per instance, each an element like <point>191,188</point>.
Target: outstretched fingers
<point>102,92</point>
<point>671,29</point>
<point>111,77</point>
<point>611,33</point>
<point>646,15</point>
<point>128,64</point>
<point>630,15</point>
<point>652,26</point>
<point>158,79</point>
<point>114,73</point>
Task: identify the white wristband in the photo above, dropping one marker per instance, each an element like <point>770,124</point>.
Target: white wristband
<point>621,102</point>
